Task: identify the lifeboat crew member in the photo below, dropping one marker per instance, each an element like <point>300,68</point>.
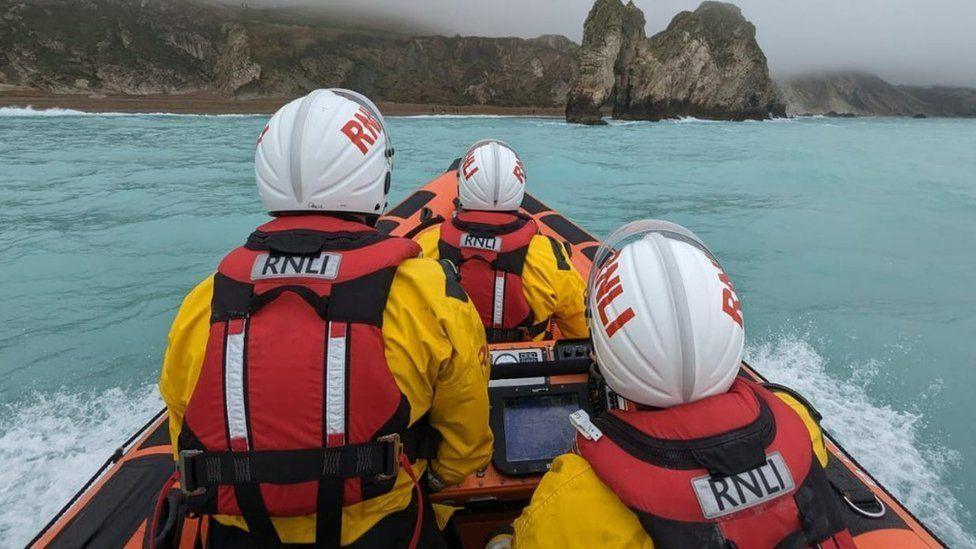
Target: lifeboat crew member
<point>325,368</point>
<point>708,458</point>
<point>517,278</point>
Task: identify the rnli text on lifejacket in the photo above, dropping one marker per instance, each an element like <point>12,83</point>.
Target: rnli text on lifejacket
<point>324,265</point>
<point>719,496</point>
<point>492,243</point>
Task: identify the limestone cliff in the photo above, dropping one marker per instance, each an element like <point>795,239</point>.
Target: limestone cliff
<point>184,46</point>
<point>864,94</point>
<point>706,64</point>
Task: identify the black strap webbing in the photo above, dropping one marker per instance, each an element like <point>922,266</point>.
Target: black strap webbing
<point>255,514</point>
<point>423,225</point>
<point>421,440</point>
<point>328,521</point>
<point>289,466</point>
<point>820,516</point>
<point>208,469</point>
<point>509,335</point>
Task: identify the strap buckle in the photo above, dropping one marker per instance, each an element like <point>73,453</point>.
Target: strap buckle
<point>185,477</point>
<point>395,449</point>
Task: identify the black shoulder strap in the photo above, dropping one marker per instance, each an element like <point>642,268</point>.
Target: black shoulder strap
<point>557,251</point>
<point>452,280</point>
<point>676,533</point>
<point>231,298</point>
<point>424,225</point>
<point>819,508</point>
<point>449,252</point>
<point>362,299</point>
<point>512,261</point>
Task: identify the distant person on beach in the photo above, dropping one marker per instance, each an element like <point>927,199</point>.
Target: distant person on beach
<point>517,278</point>
<point>326,377</point>
<point>703,457</point>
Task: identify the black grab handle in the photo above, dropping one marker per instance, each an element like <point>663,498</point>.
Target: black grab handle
<point>317,302</point>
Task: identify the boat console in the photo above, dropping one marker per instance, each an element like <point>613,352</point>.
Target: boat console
<point>534,388</point>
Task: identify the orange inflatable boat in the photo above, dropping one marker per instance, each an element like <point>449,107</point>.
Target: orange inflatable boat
<point>111,510</point>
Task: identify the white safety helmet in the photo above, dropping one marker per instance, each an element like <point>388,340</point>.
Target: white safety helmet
<point>491,177</point>
<point>664,317</point>
<point>327,151</point>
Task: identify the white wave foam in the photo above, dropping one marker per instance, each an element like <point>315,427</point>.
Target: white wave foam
<point>887,441</point>
<point>693,120</point>
<point>679,120</point>
<point>52,443</point>
<point>775,120</point>
<point>29,111</point>
<point>615,122</point>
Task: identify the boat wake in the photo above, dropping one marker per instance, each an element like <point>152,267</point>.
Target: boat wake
<point>887,441</point>
<point>50,444</point>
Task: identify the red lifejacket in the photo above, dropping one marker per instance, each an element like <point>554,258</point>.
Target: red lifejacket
<point>732,470</point>
<point>488,249</point>
<point>296,411</point>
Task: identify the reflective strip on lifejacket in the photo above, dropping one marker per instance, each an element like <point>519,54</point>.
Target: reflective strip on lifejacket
<point>498,308</point>
<point>335,385</point>
<point>234,383</point>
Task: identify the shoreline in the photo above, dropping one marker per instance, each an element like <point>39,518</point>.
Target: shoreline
<point>218,104</point>
<point>215,104</point>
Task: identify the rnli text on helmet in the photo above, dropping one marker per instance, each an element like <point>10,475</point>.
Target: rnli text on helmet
<point>607,290</point>
<point>356,128</point>
<point>730,302</point>
<point>469,169</point>
<point>519,171</point>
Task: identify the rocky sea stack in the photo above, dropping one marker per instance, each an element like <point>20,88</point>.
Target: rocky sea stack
<point>706,64</point>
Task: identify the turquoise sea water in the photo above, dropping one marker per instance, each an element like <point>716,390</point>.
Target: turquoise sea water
<point>852,244</point>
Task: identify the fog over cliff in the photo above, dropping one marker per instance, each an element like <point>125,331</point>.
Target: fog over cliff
<point>904,41</point>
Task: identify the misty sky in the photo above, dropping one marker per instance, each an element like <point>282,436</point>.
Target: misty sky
<point>905,41</point>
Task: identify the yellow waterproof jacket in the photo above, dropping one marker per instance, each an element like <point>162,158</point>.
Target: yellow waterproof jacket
<point>550,291</point>
<point>435,347</point>
<point>561,513</point>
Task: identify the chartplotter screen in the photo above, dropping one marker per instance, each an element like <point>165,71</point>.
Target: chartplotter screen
<point>537,426</point>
